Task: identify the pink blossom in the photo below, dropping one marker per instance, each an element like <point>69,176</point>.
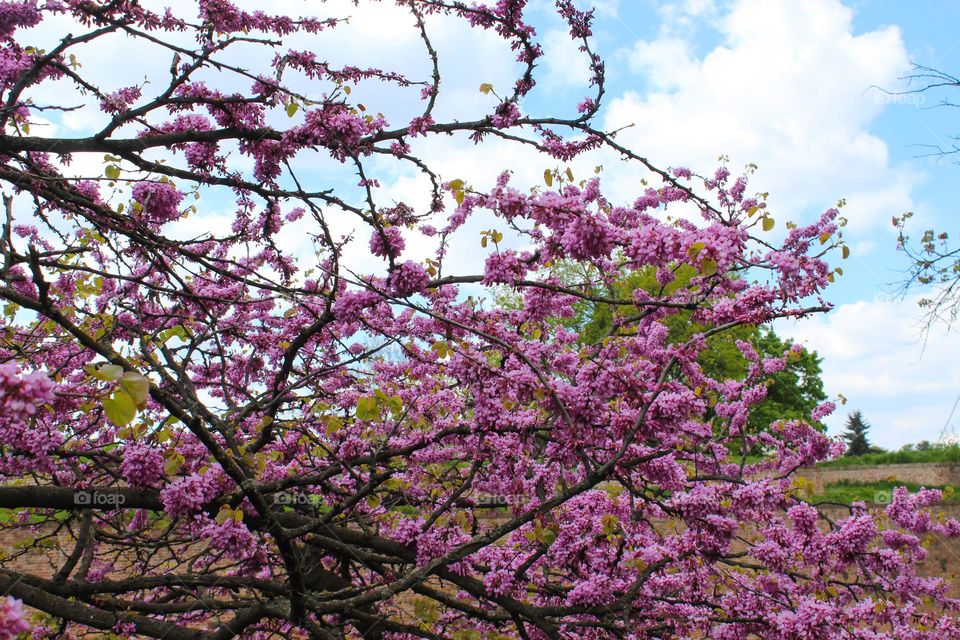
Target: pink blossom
<point>13,619</point>
<point>142,465</point>
<point>387,242</point>
<point>159,201</point>
<point>409,278</point>
<point>419,125</point>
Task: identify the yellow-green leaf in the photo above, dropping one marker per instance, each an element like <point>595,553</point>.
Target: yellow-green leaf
<point>112,171</point>
<point>548,177</point>
<point>695,249</point>
<point>486,88</point>
<point>708,266</point>
<point>768,223</point>
<point>367,408</point>
<point>610,524</point>
<point>120,408</point>
<point>292,108</point>
<point>225,513</point>
<point>824,237</point>
<point>137,386</point>
<point>107,372</point>
<point>845,251</point>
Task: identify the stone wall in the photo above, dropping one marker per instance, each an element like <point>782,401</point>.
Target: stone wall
<point>925,474</point>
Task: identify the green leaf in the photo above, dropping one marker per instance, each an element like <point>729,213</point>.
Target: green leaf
<point>611,524</point>
<point>225,513</point>
<point>457,186</point>
<point>824,237</point>
<point>106,372</point>
<point>137,386</point>
<point>548,536</point>
<point>708,267</point>
<point>548,177</point>
<point>695,249</point>
<point>768,223</point>
<point>174,461</point>
<point>335,423</point>
<point>441,348</point>
<point>112,171</point>
<point>120,408</point>
<point>845,251</point>
<point>292,109</point>
<point>367,408</point>
<point>395,404</point>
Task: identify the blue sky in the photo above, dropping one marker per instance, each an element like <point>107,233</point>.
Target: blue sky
<point>787,84</point>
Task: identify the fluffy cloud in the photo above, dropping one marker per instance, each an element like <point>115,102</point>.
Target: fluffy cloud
<point>788,87</point>
<point>877,355</point>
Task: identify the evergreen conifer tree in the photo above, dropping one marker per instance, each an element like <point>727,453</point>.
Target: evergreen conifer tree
<point>856,435</point>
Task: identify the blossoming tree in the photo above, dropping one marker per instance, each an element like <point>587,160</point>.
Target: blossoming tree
<point>210,436</point>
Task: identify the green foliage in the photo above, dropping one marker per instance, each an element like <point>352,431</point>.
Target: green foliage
<point>904,456</point>
<point>848,491</point>
<point>791,393</point>
<point>856,435</point>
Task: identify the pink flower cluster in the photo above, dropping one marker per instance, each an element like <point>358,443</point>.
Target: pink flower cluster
<point>13,619</point>
<point>334,127</point>
<point>231,537</point>
<point>159,201</point>
<point>408,278</point>
<point>419,126</point>
<point>142,465</point>
<point>188,494</point>
<point>21,394</point>
<point>14,14</point>
<point>503,267</point>
<point>120,100</point>
<point>387,243</point>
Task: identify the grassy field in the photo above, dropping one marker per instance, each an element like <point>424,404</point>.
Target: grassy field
<point>940,454</point>
<point>847,491</point>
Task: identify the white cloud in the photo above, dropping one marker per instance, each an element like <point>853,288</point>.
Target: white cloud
<point>787,88</point>
<point>566,65</point>
<point>876,355</point>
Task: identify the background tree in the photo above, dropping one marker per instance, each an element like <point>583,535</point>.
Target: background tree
<point>792,392</point>
<point>203,437</point>
<point>856,435</point>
